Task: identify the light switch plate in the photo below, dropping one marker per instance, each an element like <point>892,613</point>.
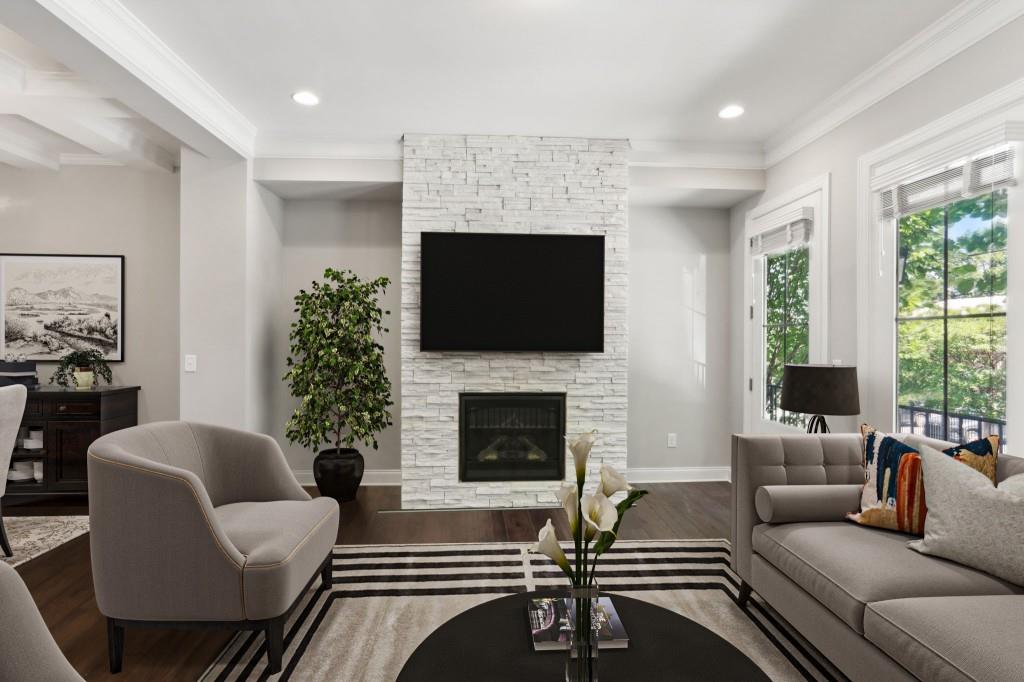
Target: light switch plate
<point>672,440</point>
<point>190,363</point>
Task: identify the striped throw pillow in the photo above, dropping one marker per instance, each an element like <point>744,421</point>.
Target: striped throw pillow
<point>894,494</point>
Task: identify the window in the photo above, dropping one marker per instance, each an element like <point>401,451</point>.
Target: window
<point>951,319</point>
<point>785,325</point>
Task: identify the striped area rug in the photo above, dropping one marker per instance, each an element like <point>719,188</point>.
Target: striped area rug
<point>386,599</point>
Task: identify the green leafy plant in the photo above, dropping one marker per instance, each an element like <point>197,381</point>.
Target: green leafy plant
<point>90,359</point>
<point>336,364</point>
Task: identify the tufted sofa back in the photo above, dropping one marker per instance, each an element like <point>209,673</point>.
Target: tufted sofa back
<point>799,459</point>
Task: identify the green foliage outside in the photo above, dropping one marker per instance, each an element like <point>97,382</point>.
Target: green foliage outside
<point>964,244</point>
<point>336,365</point>
<point>786,325</point>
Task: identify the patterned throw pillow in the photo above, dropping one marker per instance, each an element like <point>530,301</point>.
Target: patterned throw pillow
<point>894,494</point>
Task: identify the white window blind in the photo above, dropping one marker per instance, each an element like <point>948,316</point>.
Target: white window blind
<point>793,232</point>
<point>976,176</point>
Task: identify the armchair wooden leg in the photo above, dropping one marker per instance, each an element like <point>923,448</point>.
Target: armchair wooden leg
<point>275,645</point>
<point>5,546</point>
<point>115,645</point>
<point>744,595</point>
<point>327,574</point>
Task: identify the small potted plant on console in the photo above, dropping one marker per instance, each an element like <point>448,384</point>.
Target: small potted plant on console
<point>82,369</point>
<point>336,370</point>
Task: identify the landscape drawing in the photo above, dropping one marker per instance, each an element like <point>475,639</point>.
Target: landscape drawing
<point>50,305</point>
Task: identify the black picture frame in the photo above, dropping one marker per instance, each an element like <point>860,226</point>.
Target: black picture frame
<point>117,354</point>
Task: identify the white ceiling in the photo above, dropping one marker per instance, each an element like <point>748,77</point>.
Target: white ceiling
<point>643,69</point>
<point>49,117</point>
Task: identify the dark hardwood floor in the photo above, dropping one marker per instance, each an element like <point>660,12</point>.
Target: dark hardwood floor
<point>61,580</point>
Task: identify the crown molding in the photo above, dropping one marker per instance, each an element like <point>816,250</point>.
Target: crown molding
<point>694,154</point>
<point>957,30</point>
<point>270,146</point>
<point>119,34</point>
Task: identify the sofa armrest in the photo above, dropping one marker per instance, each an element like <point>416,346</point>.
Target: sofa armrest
<point>242,466</point>
<point>798,459</point>
<point>806,503</point>
<point>158,551</point>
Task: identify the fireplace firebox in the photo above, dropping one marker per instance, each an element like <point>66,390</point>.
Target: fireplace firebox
<point>511,436</point>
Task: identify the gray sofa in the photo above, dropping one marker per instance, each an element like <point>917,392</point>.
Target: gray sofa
<point>194,525</point>
<point>877,609</point>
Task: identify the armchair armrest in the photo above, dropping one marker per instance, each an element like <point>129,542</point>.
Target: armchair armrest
<point>783,460</point>
<point>806,503</point>
<point>244,467</point>
<point>158,552</point>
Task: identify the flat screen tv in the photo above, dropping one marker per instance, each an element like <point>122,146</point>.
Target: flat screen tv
<point>503,292</point>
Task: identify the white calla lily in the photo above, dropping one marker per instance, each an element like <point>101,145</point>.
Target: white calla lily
<point>599,514</point>
<point>547,544</point>
<point>612,481</point>
<point>568,496</point>
<point>580,448</point>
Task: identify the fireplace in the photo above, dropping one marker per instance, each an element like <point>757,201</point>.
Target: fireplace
<point>511,436</point>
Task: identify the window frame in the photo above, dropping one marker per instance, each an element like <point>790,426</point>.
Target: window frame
<point>987,122</point>
<point>944,316</point>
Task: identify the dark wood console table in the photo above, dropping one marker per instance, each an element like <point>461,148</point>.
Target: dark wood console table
<point>70,420</point>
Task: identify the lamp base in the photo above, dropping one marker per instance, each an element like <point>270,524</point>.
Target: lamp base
<point>817,424</point>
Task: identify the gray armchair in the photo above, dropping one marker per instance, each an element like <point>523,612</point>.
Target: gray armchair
<point>12,408</point>
<point>27,649</point>
<point>193,525</point>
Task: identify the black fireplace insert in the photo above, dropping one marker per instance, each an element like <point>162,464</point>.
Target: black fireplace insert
<point>511,436</point>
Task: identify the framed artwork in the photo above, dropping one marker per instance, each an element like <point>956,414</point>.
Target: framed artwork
<point>53,304</point>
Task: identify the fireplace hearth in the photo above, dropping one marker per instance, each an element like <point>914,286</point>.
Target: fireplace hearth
<point>511,436</point>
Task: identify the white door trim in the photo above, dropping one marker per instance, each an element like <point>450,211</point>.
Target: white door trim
<point>767,216</point>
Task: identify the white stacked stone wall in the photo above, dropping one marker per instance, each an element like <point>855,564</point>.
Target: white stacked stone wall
<point>520,185</point>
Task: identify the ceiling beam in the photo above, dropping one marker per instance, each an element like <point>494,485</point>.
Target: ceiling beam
<point>22,152</point>
<point>112,138</point>
<point>109,46</point>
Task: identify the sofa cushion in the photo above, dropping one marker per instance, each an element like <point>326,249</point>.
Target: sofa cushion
<point>284,544</point>
<point>845,566</point>
<point>951,638</point>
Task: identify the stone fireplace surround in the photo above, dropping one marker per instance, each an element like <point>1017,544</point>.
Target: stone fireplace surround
<point>522,185</point>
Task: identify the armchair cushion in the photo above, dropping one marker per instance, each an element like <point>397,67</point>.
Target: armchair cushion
<point>284,543</point>
<point>801,503</point>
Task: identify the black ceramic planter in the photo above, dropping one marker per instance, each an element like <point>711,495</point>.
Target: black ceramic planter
<point>338,473</point>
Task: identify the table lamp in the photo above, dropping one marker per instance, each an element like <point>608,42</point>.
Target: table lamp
<point>819,390</point>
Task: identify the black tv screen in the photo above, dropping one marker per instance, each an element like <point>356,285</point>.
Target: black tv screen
<point>503,292</point>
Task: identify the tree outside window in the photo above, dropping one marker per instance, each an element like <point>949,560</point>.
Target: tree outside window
<point>786,326</point>
<point>951,319</point>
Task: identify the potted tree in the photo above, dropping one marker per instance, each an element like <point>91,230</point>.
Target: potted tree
<point>336,369</point>
<point>83,368</point>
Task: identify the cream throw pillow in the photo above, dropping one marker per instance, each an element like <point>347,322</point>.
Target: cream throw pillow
<point>970,521</point>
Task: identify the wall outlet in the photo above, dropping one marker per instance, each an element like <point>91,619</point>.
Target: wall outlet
<point>672,440</point>
<point>190,363</point>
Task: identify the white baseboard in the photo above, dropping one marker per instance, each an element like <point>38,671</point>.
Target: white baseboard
<point>635,475</point>
<point>677,474</point>
<point>370,476</point>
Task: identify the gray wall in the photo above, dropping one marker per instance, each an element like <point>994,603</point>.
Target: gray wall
<point>679,327</point>
<point>975,72</point>
<point>103,210</point>
<point>363,236</point>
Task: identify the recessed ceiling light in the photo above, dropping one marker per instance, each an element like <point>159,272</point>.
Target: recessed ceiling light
<point>306,98</point>
<point>731,111</point>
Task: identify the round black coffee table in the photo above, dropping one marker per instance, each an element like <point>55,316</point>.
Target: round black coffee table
<point>491,643</point>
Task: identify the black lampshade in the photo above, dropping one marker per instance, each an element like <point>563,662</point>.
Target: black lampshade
<point>820,389</point>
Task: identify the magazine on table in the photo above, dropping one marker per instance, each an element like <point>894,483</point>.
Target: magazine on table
<point>551,619</point>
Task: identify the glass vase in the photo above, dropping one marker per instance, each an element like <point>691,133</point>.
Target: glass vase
<point>585,625</point>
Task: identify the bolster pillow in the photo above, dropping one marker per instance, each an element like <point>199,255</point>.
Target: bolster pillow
<point>806,503</point>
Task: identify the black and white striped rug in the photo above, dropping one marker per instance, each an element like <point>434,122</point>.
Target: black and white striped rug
<point>386,599</point>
